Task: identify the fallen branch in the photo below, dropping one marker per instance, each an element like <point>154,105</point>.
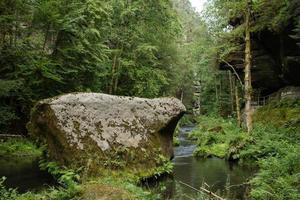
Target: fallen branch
<point>10,136</point>
<point>234,71</point>
<point>203,190</point>
<point>237,185</point>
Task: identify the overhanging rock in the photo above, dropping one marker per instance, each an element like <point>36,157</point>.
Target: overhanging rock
<point>99,130</point>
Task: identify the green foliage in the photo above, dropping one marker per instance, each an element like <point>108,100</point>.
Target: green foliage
<point>163,166</point>
<point>186,120</point>
<point>53,47</point>
<point>19,147</point>
<point>49,194</point>
<point>284,113</point>
<point>66,177</point>
<point>219,137</point>
<point>117,159</point>
<point>7,194</point>
<point>278,177</point>
<point>176,141</point>
<point>274,147</point>
<point>129,185</point>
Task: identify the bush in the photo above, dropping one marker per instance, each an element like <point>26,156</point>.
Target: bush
<point>218,137</point>
<point>279,177</point>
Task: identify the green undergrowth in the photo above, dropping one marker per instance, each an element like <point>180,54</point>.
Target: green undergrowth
<point>284,113</point>
<point>19,147</point>
<point>218,137</point>
<point>76,184</point>
<point>71,186</point>
<point>187,120</point>
<point>276,148</point>
<point>164,166</point>
<point>273,145</point>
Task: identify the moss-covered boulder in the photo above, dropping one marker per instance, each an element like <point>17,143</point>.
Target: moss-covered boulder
<point>94,130</point>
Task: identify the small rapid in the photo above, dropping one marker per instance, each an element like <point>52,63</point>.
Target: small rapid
<point>186,147</point>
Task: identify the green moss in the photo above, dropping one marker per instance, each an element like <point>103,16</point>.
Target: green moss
<point>186,120</point>
<point>176,141</point>
<point>279,113</point>
<point>218,137</point>
<point>19,147</point>
<point>113,185</point>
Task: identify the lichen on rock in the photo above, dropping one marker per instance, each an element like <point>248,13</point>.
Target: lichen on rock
<point>81,126</point>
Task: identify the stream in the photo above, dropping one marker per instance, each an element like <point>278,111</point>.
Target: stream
<point>220,176</point>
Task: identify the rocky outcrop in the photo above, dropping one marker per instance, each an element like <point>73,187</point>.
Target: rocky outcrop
<point>98,130</point>
<point>275,52</point>
<point>275,62</point>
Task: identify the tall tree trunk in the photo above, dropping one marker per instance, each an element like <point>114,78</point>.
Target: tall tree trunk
<point>231,91</point>
<point>237,104</point>
<point>113,71</point>
<point>118,65</point>
<point>248,86</point>
<point>116,78</point>
<point>216,88</point>
<point>181,95</point>
<point>217,93</point>
<point>46,37</point>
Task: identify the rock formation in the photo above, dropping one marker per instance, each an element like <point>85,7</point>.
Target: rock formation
<point>96,130</point>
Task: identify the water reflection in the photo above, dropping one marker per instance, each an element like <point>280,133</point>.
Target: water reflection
<point>220,176</point>
<point>24,174</point>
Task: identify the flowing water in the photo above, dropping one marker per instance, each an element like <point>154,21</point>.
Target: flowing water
<point>222,177</point>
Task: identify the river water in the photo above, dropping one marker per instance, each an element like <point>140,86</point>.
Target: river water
<point>220,176</point>
<point>24,174</point>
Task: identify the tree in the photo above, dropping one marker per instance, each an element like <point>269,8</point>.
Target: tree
<point>247,80</point>
<point>49,47</point>
<point>235,25</point>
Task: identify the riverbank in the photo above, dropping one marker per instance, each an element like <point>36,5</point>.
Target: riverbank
<point>273,145</point>
<point>222,177</point>
<point>22,156</point>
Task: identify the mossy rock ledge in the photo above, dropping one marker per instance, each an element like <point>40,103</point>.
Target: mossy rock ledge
<point>96,131</point>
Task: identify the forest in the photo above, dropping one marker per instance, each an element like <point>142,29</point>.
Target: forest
<point>149,99</point>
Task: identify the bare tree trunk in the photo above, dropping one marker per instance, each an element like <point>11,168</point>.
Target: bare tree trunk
<point>118,65</point>
<point>113,71</point>
<point>116,78</point>
<point>216,88</point>
<point>237,104</point>
<point>231,91</point>
<point>46,37</point>
<point>248,86</point>
<point>181,95</point>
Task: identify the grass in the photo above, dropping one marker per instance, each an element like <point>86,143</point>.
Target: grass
<point>18,148</point>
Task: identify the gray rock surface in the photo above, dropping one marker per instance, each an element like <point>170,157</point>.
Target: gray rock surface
<point>81,128</point>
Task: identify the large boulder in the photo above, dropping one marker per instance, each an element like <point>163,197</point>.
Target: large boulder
<point>94,130</point>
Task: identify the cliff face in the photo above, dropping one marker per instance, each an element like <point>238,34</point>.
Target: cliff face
<point>276,59</point>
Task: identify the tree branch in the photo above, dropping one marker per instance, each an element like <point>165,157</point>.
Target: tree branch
<point>234,71</point>
<point>202,190</point>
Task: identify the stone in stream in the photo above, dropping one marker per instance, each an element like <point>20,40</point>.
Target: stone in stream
<point>96,130</point>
